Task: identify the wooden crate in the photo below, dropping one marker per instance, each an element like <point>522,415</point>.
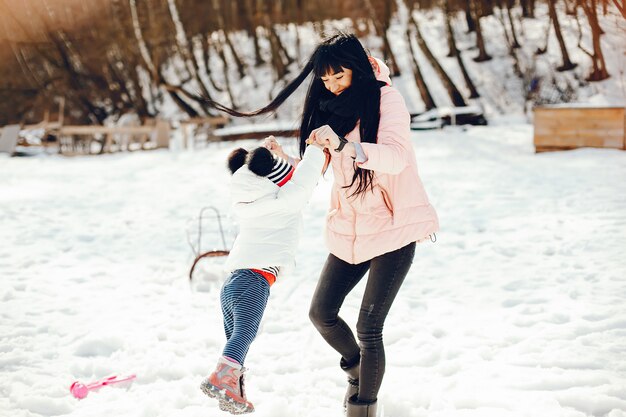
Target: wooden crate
<point>559,128</point>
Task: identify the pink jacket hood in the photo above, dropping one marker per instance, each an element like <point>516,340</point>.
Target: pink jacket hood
<point>381,70</point>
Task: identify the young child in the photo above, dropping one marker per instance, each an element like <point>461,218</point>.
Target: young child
<point>268,196</point>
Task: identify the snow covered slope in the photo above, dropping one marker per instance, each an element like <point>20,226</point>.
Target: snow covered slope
<point>517,310</point>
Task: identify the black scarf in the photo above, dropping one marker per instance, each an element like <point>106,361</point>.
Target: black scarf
<point>342,112</point>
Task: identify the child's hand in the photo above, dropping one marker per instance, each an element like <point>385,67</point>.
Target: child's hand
<point>273,146</point>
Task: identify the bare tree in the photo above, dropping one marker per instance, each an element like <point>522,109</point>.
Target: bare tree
<point>381,29</point>
<point>453,92</point>
<point>456,53</point>
<point>422,87</point>
<point>599,71</point>
<point>477,11</point>
<point>528,8</point>
<point>567,63</point>
<point>469,18</point>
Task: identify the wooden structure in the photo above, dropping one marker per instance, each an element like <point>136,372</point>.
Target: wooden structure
<point>8,138</point>
<point>45,125</point>
<point>78,139</point>
<point>202,129</point>
<point>561,128</point>
<point>257,131</point>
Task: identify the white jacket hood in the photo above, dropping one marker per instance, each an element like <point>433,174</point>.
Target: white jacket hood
<point>269,216</point>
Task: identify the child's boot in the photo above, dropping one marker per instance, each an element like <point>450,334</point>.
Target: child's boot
<point>353,380</point>
<point>226,384</point>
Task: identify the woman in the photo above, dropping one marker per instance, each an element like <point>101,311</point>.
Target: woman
<point>379,208</point>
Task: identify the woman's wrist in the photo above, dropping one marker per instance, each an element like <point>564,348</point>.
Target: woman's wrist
<point>349,149</point>
<point>340,143</point>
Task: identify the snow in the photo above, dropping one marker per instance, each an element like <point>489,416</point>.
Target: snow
<point>517,309</point>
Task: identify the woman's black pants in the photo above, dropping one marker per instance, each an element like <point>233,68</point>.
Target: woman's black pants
<point>338,278</point>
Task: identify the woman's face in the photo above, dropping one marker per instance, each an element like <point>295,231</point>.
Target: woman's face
<point>336,83</point>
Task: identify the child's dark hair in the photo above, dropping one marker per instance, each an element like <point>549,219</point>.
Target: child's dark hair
<point>260,161</point>
<point>236,159</point>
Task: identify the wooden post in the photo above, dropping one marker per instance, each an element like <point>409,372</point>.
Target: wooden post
<point>185,126</point>
<point>108,141</point>
<point>61,110</point>
<point>162,134</point>
<point>8,138</point>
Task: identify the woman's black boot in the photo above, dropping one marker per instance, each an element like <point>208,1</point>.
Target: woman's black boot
<point>360,409</point>
<point>353,379</point>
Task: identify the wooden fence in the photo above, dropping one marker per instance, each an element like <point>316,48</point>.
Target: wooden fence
<point>561,128</point>
<point>89,139</point>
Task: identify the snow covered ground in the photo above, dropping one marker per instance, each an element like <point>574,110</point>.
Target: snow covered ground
<point>517,309</point>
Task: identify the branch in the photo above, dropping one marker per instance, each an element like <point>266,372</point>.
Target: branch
<point>582,4</point>
<point>621,8</point>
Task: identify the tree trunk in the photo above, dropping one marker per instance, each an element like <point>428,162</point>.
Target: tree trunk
<point>457,54</point>
<point>189,58</point>
<point>600,71</point>
<point>567,64</point>
<point>528,8</point>
<point>455,95</point>
<point>206,54</point>
<point>452,50</point>
<point>238,61</point>
<point>509,42</point>
<point>480,42</point>
<point>250,22</point>
<point>388,54</point>
<point>182,104</point>
<point>469,19</point>
<point>76,80</point>
<point>279,59</point>
<point>621,7</point>
<point>281,48</point>
<point>540,50</point>
<point>220,52</point>
<point>298,42</point>
<point>427,98</point>
<point>509,5</point>
<point>226,40</point>
<point>258,59</point>
<point>280,12</point>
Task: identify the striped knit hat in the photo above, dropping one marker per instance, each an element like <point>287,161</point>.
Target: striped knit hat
<point>281,172</point>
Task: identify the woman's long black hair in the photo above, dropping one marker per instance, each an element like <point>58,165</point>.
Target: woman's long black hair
<point>362,97</point>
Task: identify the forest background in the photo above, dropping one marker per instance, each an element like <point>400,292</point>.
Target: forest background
<point>160,57</point>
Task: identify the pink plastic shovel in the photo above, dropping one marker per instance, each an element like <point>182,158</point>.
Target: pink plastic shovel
<point>80,390</point>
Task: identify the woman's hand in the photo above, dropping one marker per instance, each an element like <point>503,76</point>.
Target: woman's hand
<point>271,144</point>
<point>324,136</point>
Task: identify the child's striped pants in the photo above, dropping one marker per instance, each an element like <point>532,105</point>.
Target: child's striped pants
<point>244,297</point>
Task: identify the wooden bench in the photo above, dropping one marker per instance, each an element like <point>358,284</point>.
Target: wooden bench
<point>152,135</point>
<point>561,128</point>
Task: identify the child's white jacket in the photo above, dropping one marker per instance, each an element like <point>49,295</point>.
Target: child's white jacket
<point>269,216</point>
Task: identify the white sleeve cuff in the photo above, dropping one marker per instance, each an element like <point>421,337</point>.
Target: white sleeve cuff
<point>360,153</point>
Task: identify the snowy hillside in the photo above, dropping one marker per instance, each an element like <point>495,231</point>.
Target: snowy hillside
<point>517,310</point>
<point>502,91</point>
